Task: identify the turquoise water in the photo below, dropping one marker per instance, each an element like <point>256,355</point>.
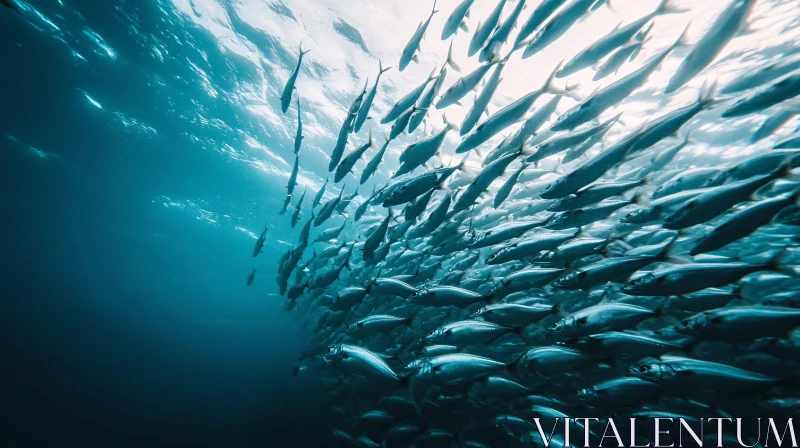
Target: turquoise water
<point>127,321</point>
<point>143,149</point>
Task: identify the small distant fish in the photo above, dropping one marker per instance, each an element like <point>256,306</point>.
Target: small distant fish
<point>251,277</point>
<point>260,242</point>
<point>286,96</point>
<point>412,47</point>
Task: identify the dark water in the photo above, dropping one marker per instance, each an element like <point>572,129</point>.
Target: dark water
<point>125,322</point>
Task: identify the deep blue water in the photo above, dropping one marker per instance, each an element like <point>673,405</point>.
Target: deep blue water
<point>125,322</point>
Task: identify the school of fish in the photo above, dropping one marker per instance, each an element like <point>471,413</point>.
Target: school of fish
<point>567,275</point>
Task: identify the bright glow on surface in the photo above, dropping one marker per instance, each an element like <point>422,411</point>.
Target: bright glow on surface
<point>338,57</point>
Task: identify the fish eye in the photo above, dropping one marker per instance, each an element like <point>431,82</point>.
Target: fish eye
<point>436,369</point>
<point>583,274</point>
<point>554,326</point>
<point>644,368</point>
<point>686,323</point>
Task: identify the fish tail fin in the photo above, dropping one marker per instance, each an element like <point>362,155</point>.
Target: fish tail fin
<point>661,313</point>
<point>641,36</point>
<point>687,139</point>
<point>548,84</point>
<point>463,163</point>
<point>434,10</point>
<point>668,7</point>
<point>778,263</point>
<point>682,39</point>
<point>382,70</point>
<point>512,366</point>
<point>558,308</point>
<point>450,124</point>
<point>639,198</point>
<point>450,60</point>
<point>664,254</point>
<point>707,96</point>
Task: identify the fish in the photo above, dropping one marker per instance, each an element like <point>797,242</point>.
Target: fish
<point>615,269</point>
<point>762,74</point>
<point>375,162</point>
<point>601,318</point>
<point>293,176</point>
<point>728,24</point>
<point>251,277</point>
<point>501,33</point>
<point>784,89</point>
<point>407,101</point>
<point>482,101</point>
<point>412,47</point>
<point>400,125</point>
<point>623,391</point>
<point>457,18</point>
<point>601,48</point>
<point>529,247</point>
<point>366,105</point>
<point>684,279</point>
<point>482,181</point>
<point>627,264</point>
<point>330,234</point>
<point>515,314</point>
<point>594,194</point>
<point>742,223</point>
<point>318,196</point>
<point>524,280</point>
<point>601,100</point>
<point>505,117</point>
<point>465,84</point>
<point>740,323</point>
<point>298,138</point>
<point>347,164</point>
<point>286,201</point>
<point>526,131</point>
<point>717,200</point>
<point>327,210</point>
<point>419,152</point>
<point>376,237</point>
<point>485,28</point>
<point>627,52</point>
<point>557,26</point>
<point>344,131</point>
<point>426,100</point>
<point>259,247</point>
<point>288,89</point>
<point>677,371</point>
<point>296,213</point>
<point>359,361</point>
<point>774,122</point>
<point>505,190</point>
<point>536,19</point>
<point>562,142</point>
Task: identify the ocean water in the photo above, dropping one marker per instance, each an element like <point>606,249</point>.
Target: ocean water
<point>142,149</point>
